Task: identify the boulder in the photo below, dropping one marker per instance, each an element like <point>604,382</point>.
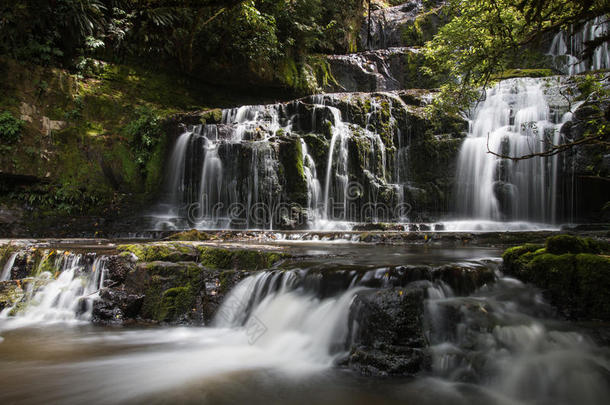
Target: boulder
<point>387,332</point>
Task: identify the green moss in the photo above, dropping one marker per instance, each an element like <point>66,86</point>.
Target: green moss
<point>211,116</point>
<point>169,252</point>
<point>47,263</point>
<point>172,291</point>
<point>575,279</point>
<point>175,302</point>
<point>572,244</point>
<point>192,235</point>
<point>155,165</point>
<point>514,253</point>
<point>241,259</point>
<point>10,294</point>
<point>508,74</point>
<point>593,284</point>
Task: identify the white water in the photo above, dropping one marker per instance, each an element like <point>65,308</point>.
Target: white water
<point>514,120</point>
<point>264,324</point>
<point>568,47</point>
<point>337,175</point>
<point>314,189</point>
<point>497,346</point>
<point>8,266</point>
<point>64,297</point>
<point>499,339</point>
<point>228,175</point>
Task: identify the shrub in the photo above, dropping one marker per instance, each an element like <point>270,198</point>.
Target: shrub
<point>144,133</point>
<point>10,127</point>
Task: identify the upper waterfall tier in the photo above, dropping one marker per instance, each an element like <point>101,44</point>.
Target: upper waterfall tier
<point>568,48</point>
<point>378,70</point>
<point>408,24</point>
<point>329,158</point>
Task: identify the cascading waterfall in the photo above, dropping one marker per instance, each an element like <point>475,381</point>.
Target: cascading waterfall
<point>66,296</point>
<point>337,176</point>
<point>278,314</point>
<point>513,120</point>
<point>314,189</point>
<point>498,337</point>
<point>232,174</point>
<point>8,266</point>
<point>567,47</point>
<point>499,344</point>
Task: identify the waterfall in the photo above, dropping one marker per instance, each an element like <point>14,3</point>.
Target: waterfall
<point>498,337</point>
<point>514,120</point>
<point>567,48</point>
<point>8,266</point>
<point>337,176</point>
<point>314,189</point>
<point>277,315</point>
<point>66,296</point>
<point>234,174</point>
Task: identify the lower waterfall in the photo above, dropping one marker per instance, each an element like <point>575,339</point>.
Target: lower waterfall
<point>63,294</point>
<point>500,344</point>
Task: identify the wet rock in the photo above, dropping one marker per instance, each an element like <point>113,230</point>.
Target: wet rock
<point>115,306</point>
<point>11,292</point>
<point>377,70</point>
<point>464,279</point>
<point>387,335</point>
<point>161,292</point>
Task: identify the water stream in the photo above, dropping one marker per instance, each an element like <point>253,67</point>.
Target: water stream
<point>515,120</point>
<point>280,335</point>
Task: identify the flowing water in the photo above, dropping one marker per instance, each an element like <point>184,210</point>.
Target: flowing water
<point>231,174</point>
<point>567,48</point>
<point>64,297</point>
<point>280,335</point>
<point>515,119</point>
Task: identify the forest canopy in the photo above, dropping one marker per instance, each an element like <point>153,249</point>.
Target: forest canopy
<point>182,34</point>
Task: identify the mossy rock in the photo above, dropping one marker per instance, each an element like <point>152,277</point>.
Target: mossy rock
<point>570,270</point>
<point>513,73</point>
<point>512,256</point>
<point>211,116</point>
<point>573,244</point>
<point>593,277</point>
<point>10,293</point>
<point>291,159</point>
<point>241,259</point>
<point>172,291</point>
<point>162,251</point>
<point>192,235</point>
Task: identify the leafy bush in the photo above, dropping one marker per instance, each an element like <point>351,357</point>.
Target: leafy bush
<point>144,134</point>
<point>10,127</point>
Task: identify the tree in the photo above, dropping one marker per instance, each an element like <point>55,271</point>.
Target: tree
<point>486,37</point>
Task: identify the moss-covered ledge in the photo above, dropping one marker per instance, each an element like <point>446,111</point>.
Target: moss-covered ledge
<point>574,272</point>
<point>214,257</point>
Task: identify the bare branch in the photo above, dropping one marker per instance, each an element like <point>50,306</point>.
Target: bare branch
<point>555,149</point>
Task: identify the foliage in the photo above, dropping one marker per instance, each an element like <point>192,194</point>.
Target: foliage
<point>144,133</point>
<point>190,35</point>
<point>10,128</point>
<point>486,37</point>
